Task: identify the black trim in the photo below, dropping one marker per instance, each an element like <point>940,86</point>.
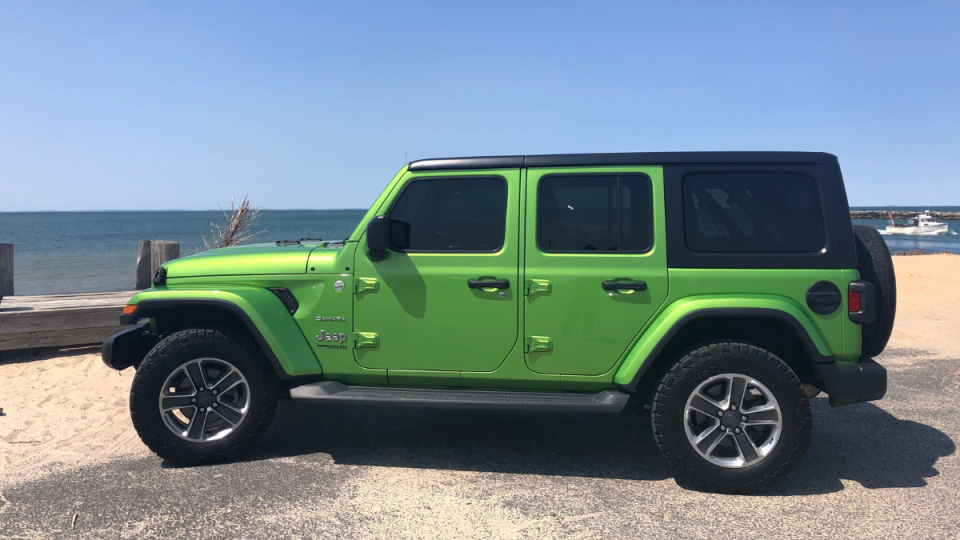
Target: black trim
<point>147,308</point>
<point>287,297</point>
<point>823,297</point>
<point>128,347</point>
<point>605,401</point>
<point>609,285</point>
<point>488,283</point>
<point>160,278</point>
<point>853,383</point>
<point>626,158</point>
<point>808,345</point>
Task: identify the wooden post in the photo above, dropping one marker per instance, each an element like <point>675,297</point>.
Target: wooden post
<point>6,270</point>
<point>143,276</point>
<point>162,251</point>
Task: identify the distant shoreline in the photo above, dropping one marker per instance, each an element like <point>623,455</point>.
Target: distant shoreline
<point>903,214</point>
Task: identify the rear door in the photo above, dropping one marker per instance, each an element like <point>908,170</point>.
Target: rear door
<point>595,264</point>
<point>426,306</point>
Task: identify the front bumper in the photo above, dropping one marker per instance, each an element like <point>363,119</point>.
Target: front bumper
<point>853,383</point>
<point>128,347</point>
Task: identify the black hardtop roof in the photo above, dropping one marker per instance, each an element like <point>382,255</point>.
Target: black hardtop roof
<point>624,158</point>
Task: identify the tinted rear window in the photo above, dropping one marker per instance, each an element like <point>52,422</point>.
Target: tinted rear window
<point>752,213</point>
<point>606,213</point>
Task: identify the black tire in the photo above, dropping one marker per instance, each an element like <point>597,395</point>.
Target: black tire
<point>169,355</point>
<point>713,359</point>
<point>876,266</point>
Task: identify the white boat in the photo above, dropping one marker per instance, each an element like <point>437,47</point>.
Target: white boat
<point>922,224</point>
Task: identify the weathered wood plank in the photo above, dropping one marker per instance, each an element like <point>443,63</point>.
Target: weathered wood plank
<point>162,251</point>
<point>143,276</point>
<point>61,301</point>
<point>6,270</point>
<point>60,319</point>
<point>57,338</point>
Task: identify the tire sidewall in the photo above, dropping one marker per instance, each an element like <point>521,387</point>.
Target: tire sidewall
<point>168,356</point>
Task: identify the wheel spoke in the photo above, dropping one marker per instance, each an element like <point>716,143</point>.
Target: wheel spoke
<point>735,391</point>
<point>229,413</point>
<point>707,441</point>
<point>746,447</point>
<point>196,375</point>
<point>175,402</point>
<point>197,425</point>
<point>704,405</point>
<point>762,418</point>
<point>227,382</point>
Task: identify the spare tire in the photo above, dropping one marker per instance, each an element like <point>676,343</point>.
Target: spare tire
<point>876,266</point>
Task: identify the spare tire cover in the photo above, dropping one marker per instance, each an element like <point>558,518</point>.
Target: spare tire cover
<point>876,266</point>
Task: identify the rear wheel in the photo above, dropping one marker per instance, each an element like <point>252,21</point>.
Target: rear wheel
<point>203,396</point>
<point>731,418</point>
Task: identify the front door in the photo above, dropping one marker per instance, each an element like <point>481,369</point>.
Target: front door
<point>596,268</point>
<point>449,300</point>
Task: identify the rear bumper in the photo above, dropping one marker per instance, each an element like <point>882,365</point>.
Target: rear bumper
<point>127,348</point>
<point>853,383</point>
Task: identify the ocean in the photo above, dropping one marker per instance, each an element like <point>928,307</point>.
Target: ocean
<point>66,252</point>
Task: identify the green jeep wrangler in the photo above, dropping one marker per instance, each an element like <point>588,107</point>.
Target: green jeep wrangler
<point>719,291</point>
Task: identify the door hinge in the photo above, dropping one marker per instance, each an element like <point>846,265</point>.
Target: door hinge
<point>535,286</point>
<point>539,344</point>
<point>363,340</point>
<point>366,284</point>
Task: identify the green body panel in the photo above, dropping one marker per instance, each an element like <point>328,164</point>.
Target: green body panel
<point>410,320</point>
<point>255,259</point>
<point>589,328</point>
<point>422,310</point>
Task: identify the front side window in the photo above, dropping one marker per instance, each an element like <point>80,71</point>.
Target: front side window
<point>454,214</point>
<point>753,213</point>
<point>598,213</point>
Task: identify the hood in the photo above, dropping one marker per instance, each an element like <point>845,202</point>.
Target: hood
<point>254,259</point>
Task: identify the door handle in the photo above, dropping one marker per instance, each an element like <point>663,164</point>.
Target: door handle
<point>624,285</point>
<point>488,284</point>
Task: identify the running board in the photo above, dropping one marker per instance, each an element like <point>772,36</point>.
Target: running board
<point>610,401</point>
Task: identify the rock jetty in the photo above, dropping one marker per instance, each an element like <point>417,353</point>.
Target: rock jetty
<point>901,214</point>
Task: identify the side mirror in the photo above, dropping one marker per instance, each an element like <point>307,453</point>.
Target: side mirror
<point>377,236</point>
<point>399,234</point>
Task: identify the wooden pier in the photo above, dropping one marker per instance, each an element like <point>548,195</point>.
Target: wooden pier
<point>60,320</point>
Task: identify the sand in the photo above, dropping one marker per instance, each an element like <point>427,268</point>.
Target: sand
<point>66,408</point>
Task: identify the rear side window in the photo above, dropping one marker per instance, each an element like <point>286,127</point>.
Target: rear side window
<point>600,213</point>
<point>454,214</point>
<point>753,213</point>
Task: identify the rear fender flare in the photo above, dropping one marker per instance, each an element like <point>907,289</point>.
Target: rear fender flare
<point>684,311</point>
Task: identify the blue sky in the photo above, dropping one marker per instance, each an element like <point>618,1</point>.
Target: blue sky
<point>179,105</point>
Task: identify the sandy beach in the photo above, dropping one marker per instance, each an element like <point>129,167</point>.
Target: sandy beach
<point>65,411</point>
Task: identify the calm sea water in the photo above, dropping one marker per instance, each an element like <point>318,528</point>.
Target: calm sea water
<point>63,252</point>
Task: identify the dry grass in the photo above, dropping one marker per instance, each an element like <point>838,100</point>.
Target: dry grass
<point>235,228</point>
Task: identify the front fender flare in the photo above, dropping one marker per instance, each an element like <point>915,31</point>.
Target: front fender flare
<point>262,313</point>
<point>678,314</point>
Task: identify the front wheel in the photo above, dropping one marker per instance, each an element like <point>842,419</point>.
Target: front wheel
<point>731,418</point>
<point>203,396</point>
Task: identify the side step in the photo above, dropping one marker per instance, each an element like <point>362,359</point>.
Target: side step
<point>610,401</point>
